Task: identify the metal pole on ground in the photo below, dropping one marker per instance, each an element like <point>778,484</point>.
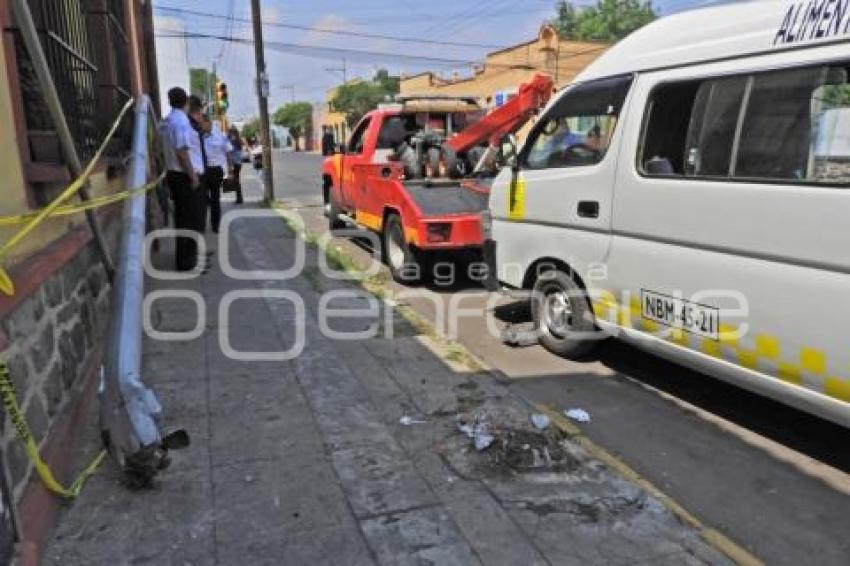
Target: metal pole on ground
<point>263,98</point>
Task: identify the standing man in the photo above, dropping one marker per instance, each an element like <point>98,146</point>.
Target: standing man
<point>328,141</point>
<point>185,167</point>
<point>236,158</point>
<point>216,147</point>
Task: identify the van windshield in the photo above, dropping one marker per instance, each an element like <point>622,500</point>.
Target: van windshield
<point>578,129</point>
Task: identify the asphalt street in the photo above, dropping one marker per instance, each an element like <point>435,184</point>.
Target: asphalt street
<point>772,478</point>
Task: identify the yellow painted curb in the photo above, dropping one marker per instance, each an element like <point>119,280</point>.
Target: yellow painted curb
<point>713,537</point>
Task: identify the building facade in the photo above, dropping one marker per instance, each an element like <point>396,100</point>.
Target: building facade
<point>100,53</point>
<point>499,77</point>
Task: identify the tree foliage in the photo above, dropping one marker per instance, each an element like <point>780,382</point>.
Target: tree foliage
<point>201,83</point>
<point>609,20</point>
<point>297,116</point>
<point>834,96</point>
<point>251,129</point>
<point>356,98</point>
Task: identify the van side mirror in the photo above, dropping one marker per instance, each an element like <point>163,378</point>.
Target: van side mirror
<point>508,149</point>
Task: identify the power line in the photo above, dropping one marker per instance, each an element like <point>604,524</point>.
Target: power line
<point>183,11</point>
<point>363,55</point>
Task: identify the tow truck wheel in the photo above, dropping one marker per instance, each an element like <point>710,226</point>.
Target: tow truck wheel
<point>562,315</point>
<point>332,212</point>
<point>398,255</point>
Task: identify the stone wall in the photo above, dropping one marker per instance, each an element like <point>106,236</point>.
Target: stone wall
<point>52,336</point>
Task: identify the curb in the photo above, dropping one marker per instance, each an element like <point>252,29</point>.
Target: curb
<point>713,537</point>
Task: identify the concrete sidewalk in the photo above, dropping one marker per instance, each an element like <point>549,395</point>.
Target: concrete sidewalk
<point>306,461</point>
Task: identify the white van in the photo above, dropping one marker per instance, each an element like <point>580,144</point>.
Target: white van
<point>690,193</point>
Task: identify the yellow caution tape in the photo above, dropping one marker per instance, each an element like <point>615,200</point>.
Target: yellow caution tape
<point>6,284</point>
<point>71,209</point>
<point>10,401</point>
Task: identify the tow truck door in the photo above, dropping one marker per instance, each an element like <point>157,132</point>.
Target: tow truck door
<point>356,153</point>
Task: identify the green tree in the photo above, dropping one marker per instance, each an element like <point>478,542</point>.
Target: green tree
<point>356,98</point>
<point>834,96</point>
<point>251,129</point>
<point>202,83</point>
<point>609,20</point>
<point>297,116</point>
<point>565,19</point>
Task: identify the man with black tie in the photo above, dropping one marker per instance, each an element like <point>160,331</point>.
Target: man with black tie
<point>185,167</point>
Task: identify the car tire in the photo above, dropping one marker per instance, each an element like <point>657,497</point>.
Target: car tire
<point>333,212</point>
<point>402,260</point>
<point>562,315</point>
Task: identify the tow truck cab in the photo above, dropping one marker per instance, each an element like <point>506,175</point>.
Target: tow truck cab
<point>418,172</point>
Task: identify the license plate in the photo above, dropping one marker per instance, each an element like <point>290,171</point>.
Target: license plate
<point>676,312</point>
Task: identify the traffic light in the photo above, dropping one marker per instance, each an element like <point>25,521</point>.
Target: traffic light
<point>221,102</point>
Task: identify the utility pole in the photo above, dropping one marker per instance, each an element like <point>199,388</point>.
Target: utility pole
<point>263,98</point>
<point>343,70</point>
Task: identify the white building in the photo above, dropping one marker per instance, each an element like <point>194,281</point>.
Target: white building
<point>172,56</point>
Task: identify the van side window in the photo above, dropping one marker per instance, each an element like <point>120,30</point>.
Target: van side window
<point>355,144</point>
<point>787,126</point>
<point>830,160</point>
<point>578,129</point>
<point>711,134</point>
<point>776,133</point>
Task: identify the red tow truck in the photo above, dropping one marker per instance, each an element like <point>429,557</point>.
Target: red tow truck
<point>417,172</point>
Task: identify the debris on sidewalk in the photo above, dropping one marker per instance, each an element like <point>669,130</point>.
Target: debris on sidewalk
<point>479,432</point>
<point>407,420</point>
<point>519,337</point>
<point>514,447</point>
<point>578,415</point>
<point>540,421</point>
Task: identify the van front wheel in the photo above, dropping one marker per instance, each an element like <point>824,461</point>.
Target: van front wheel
<point>562,315</point>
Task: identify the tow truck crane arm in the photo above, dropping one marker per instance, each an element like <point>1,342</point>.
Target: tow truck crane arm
<point>506,119</point>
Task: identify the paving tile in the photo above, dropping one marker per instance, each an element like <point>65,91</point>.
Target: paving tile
<point>415,537</point>
<point>256,501</point>
<point>377,478</point>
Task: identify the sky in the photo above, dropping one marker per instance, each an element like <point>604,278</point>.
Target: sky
<point>485,25</point>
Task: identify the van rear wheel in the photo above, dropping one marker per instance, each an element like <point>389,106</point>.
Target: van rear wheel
<point>562,315</point>
<point>401,259</point>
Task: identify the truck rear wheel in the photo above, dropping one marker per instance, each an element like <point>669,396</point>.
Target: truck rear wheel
<point>562,315</point>
<point>401,259</point>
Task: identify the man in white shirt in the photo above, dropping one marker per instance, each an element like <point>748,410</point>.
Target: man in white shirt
<point>217,147</point>
<point>185,167</point>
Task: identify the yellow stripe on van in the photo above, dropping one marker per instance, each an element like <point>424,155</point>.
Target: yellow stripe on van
<point>768,349</point>
<point>516,199</point>
<point>790,373</point>
<point>813,361</point>
<point>729,335</point>
<point>838,388</point>
<point>712,347</point>
<point>748,359</point>
<point>767,346</point>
